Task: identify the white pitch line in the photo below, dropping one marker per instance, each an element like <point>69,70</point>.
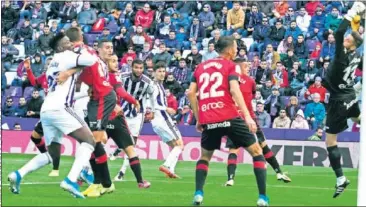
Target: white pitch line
<point>209,183</point>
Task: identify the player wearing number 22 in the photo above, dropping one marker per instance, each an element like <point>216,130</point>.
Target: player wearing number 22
<point>217,84</point>
<point>339,81</point>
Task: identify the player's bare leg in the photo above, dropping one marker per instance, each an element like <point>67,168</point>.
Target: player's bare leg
<point>334,156</point>
<point>201,174</point>
<point>260,171</point>
<point>168,168</point>
<point>231,166</point>
<point>271,159</point>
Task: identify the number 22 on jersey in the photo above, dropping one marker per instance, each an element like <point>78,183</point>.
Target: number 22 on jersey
<point>213,80</point>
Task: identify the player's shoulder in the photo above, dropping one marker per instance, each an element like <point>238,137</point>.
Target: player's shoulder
<point>146,79</point>
<point>126,74</point>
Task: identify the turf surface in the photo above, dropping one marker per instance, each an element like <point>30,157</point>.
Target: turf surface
<point>310,186</point>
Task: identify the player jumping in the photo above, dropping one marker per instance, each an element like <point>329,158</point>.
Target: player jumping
<point>59,119</point>
<point>216,82</point>
<point>163,124</point>
<point>248,88</point>
<point>339,82</point>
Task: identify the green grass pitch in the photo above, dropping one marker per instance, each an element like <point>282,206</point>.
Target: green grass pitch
<point>310,186</point>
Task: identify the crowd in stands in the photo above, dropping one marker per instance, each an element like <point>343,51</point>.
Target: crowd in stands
<point>288,45</point>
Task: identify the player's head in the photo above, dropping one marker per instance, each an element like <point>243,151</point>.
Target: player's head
<point>352,41</point>
<point>60,43</point>
<point>226,46</point>
<point>159,71</point>
<point>244,69</point>
<point>113,63</point>
<point>137,67</point>
<point>105,49</point>
<point>74,34</point>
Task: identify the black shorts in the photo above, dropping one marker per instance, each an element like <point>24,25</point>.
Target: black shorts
<point>100,110</point>
<point>117,129</point>
<point>337,114</point>
<point>260,137</point>
<point>236,129</point>
<point>38,128</point>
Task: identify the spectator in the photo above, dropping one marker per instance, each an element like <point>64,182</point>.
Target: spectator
<point>216,6</point>
<point>127,67</point>
<point>163,55</point>
<point>332,21</point>
<point>196,34</point>
<point>271,57</point>
<point>315,55</point>
<point>210,53</point>
<point>106,7</point>
<point>301,49</point>
<point>144,17</point>
<point>159,15</point>
<point>328,49</point>
<point>182,73</point>
<point>273,103</point>
<point>66,13</point>
<point>315,112</point>
<point>21,109</point>
<point>280,77</point>
<point>242,55</point>
<point>106,35</point>
<point>163,29</point>
<point>145,53</point>
<point>317,136</point>
<point>282,121</point>
<point>254,18</point>
<point>207,18</point>
<point>186,8</point>
<point>130,53</point>
<point>300,122</point>
<point>8,17</point>
<point>172,43</point>
<point>322,72</point>
<point>312,6</point>
<point>139,39</point>
<point>171,100</point>
<point>87,17</point>
<point>303,20</point>
<point>263,118</point>
<point>171,84</point>
<point>7,52</point>
<point>25,35</point>
<point>281,9</point>
<point>17,127</point>
<point>174,62</point>
<point>277,34</point>
<point>257,99</point>
<point>37,65</point>
<point>311,72</point>
<point>183,101</point>
<point>186,118</point>
<point>44,42</point>
<point>235,19</point>
<point>3,79</point>
<point>266,7</point>
<point>261,36</point>
<point>317,25</point>
<point>38,14</point>
<point>221,20</point>
<point>194,58</point>
<point>120,41</point>
<point>8,108</point>
<point>34,105</point>
<point>293,30</point>
<point>293,107</point>
<point>289,17</point>
<point>178,21</point>
<point>239,42</point>
<point>266,90</point>
<point>316,88</point>
<point>262,74</point>
<point>41,81</point>
<point>296,78</point>
<point>181,36</point>
<point>286,45</point>
<point>290,59</point>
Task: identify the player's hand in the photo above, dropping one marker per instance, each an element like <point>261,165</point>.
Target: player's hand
<point>118,110</point>
<point>170,111</point>
<point>27,63</point>
<point>199,127</point>
<point>62,77</point>
<point>251,124</point>
<point>137,106</point>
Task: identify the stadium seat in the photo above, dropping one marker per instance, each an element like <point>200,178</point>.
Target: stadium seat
<point>16,101</point>
<point>21,49</point>
<point>285,100</point>
<point>113,27</point>
<point>186,53</point>
<point>248,42</point>
<point>28,92</point>
<point>91,38</point>
<point>292,4</point>
<point>311,44</point>
<point>14,91</point>
<point>10,77</point>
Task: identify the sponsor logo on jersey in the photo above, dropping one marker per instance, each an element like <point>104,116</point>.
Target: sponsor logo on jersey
<point>214,105</point>
<point>110,126</point>
<point>219,125</point>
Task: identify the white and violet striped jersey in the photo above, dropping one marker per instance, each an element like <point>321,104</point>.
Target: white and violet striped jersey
<point>141,88</point>
<point>61,96</point>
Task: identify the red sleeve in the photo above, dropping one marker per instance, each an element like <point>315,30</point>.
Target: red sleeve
<point>234,71</point>
<point>31,77</point>
<point>121,93</point>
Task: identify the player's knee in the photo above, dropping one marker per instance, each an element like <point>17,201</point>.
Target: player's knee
<point>130,151</point>
<point>206,154</point>
<point>263,144</point>
<point>35,135</point>
<point>233,150</point>
<point>255,150</point>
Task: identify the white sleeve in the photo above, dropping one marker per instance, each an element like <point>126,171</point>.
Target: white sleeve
<point>154,101</point>
<point>82,93</point>
<point>73,60</point>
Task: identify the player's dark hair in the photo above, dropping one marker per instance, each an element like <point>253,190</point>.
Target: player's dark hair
<point>239,60</point>
<point>54,42</point>
<point>101,43</point>
<point>223,43</point>
<point>160,64</point>
<point>358,39</point>
<point>137,62</point>
<point>74,34</point>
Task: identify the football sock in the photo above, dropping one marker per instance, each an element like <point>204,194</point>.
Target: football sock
<point>260,171</point>
<point>271,159</point>
<point>125,164</point>
<point>335,160</point>
<point>55,151</point>
<point>40,144</point>
<point>102,165</point>
<point>96,171</point>
<point>37,162</point>
<point>231,166</point>
<point>82,155</point>
<point>172,159</point>
<point>116,152</point>
<point>136,168</point>
<point>201,174</point>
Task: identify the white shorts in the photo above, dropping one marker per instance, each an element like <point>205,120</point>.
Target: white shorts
<point>164,127</point>
<point>135,124</point>
<point>58,123</point>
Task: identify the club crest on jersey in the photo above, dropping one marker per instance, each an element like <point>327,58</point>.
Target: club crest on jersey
<point>224,124</point>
